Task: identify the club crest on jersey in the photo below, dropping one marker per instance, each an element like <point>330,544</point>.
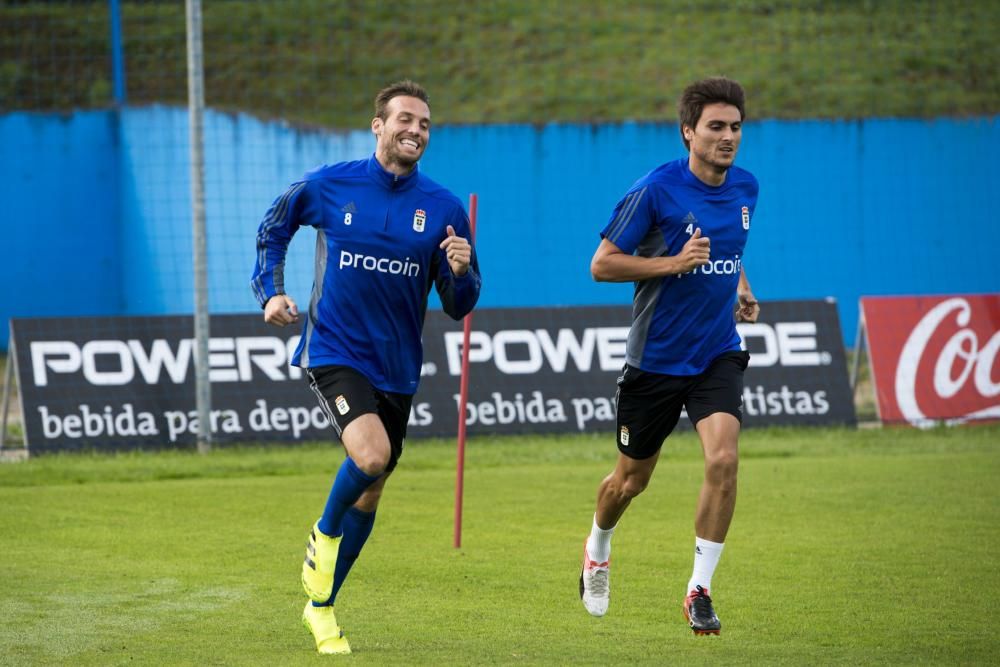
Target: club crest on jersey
<point>419,218</point>
<point>623,436</point>
<point>745,211</point>
<point>342,406</point>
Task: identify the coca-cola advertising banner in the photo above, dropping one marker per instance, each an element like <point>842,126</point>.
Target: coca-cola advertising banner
<point>128,382</point>
<point>934,358</point>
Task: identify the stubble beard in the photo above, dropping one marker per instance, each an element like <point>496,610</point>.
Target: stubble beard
<point>716,165</point>
<point>394,156</point>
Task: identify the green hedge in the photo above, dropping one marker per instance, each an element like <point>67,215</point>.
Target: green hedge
<point>320,62</point>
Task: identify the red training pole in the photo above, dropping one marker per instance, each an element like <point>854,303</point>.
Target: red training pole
<point>463,394</point>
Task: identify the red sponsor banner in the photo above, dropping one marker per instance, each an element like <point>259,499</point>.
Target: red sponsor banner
<point>934,358</point>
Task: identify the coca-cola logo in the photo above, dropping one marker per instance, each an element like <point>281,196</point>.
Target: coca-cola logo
<point>964,373</point>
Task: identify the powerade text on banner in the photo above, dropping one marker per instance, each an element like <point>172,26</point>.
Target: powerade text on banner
<point>129,382</point>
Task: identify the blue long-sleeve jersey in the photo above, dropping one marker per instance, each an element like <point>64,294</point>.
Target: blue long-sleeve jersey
<point>377,256</point>
<point>683,322</point>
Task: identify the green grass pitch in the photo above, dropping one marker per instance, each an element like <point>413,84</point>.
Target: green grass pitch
<point>848,547</point>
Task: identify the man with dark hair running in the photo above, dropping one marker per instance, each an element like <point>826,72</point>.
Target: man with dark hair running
<point>679,234</point>
<point>385,235</point>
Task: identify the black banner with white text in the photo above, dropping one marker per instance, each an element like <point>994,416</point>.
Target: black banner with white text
<point>127,382</point>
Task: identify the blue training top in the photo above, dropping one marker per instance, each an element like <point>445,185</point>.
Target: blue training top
<point>377,255</point>
<point>681,323</point>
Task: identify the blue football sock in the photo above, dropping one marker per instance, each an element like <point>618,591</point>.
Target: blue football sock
<point>357,527</point>
<point>350,483</point>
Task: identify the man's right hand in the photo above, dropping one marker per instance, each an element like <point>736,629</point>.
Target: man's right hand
<point>281,311</point>
<point>695,252</point>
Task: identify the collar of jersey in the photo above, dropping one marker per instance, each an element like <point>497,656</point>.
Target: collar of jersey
<point>388,179</point>
<point>700,184</point>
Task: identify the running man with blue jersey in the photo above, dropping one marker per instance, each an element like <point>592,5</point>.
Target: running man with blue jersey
<point>679,234</point>
<point>385,234</point>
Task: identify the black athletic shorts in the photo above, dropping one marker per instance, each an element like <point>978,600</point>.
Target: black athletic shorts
<point>345,394</point>
<point>649,404</point>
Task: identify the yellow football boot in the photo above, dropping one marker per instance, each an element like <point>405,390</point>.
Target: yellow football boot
<point>321,622</point>
<point>319,564</point>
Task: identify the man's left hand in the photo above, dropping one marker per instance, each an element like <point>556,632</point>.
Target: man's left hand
<point>747,309</point>
<point>459,252</point>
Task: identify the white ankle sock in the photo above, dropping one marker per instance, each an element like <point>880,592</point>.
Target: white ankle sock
<point>706,557</point>
<point>599,543</point>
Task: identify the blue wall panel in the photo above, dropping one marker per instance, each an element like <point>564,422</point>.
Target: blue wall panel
<point>847,208</point>
<point>59,182</point>
<point>878,206</point>
<point>248,163</point>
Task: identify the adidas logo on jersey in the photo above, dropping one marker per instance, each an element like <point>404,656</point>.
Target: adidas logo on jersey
<point>349,210</point>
